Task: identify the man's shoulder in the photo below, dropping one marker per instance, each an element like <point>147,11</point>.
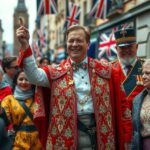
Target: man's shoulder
<point>56,71</point>
<point>101,67</point>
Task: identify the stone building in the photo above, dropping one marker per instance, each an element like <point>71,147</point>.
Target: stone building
<point>129,13</point>
<point>133,13</point>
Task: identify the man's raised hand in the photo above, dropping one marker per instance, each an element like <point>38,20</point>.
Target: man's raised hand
<point>21,21</point>
<point>22,34</point>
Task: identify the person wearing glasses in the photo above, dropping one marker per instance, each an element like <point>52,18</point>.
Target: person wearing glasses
<point>80,112</point>
<point>141,113</point>
<point>10,67</point>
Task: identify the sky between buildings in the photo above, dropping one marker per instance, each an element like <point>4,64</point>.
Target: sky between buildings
<point>6,15</point>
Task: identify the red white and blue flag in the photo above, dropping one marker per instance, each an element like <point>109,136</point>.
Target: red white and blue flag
<point>36,48</point>
<point>106,47</point>
<point>42,41</point>
<point>40,9</point>
<point>50,7</point>
<point>72,14</point>
<point>98,8</point>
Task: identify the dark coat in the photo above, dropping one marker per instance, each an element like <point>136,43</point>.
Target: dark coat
<point>137,103</point>
<point>5,142</point>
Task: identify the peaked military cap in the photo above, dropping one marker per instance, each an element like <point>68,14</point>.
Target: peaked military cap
<point>125,37</point>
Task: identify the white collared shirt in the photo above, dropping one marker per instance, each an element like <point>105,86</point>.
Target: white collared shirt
<point>83,89</point>
<point>38,76</point>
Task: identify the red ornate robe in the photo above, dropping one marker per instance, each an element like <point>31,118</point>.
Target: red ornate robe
<point>56,118</point>
<point>62,130</point>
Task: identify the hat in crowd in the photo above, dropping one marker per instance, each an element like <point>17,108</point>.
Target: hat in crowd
<point>125,37</point>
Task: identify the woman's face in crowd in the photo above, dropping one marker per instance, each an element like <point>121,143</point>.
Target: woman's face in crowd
<point>23,82</point>
<point>146,75</point>
<point>45,63</point>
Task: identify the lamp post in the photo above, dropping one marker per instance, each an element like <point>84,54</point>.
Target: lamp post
<point>3,48</point>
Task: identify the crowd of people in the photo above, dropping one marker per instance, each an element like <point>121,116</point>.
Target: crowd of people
<point>82,103</point>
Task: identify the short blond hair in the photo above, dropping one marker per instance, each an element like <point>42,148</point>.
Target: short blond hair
<point>79,27</point>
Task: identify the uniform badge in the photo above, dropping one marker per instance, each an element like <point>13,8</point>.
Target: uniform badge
<point>139,80</point>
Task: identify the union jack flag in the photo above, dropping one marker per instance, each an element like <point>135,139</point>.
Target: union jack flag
<point>40,6</point>
<point>98,8</point>
<point>72,14</point>
<point>50,7</point>
<point>41,39</point>
<point>36,48</point>
<point>107,43</point>
<point>106,48</point>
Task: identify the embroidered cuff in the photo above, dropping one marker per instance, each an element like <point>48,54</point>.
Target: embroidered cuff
<point>22,55</point>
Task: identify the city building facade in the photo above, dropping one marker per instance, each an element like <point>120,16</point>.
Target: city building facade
<point>118,14</point>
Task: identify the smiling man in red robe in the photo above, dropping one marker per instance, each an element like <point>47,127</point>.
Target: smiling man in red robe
<point>82,107</point>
